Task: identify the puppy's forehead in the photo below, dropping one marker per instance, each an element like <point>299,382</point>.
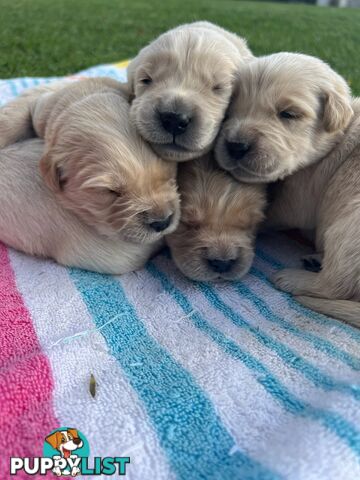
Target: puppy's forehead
<point>272,88</point>
<point>214,197</point>
<point>191,52</point>
<point>205,66</point>
<point>282,74</point>
<point>198,41</point>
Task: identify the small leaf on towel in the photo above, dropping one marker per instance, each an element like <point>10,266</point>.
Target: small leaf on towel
<point>92,386</point>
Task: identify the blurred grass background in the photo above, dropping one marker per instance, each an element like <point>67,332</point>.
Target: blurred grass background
<point>57,37</point>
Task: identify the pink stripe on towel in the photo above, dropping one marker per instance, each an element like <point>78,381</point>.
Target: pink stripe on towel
<point>26,384</point>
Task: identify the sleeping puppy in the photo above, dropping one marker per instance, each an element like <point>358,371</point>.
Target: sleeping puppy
<point>293,113</point>
<point>181,84</point>
<point>219,218</point>
<point>94,161</point>
<point>33,221</point>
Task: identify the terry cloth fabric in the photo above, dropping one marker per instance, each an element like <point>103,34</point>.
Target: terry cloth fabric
<point>194,381</point>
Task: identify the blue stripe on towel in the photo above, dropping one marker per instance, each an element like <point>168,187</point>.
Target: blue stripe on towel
<point>319,343</point>
<point>13,87</point>
<point>196,443</point>
<point>289,357</point>
<point>333,421</point>
<point>24,82</point>
<point>354,333</point>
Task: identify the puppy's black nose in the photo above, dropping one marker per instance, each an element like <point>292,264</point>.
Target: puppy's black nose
<point>237,150</point>
<point>220,266</point>
<point>160,225</point>
<point>174,123</point>
<point>77,440</point>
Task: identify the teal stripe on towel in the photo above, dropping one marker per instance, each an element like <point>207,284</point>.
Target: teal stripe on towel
<point>13,87</point>
<point>319,343</point>
<point>196,443</point>
<point>354,333</point>
<point>289,357</point>
<point>332,421</point>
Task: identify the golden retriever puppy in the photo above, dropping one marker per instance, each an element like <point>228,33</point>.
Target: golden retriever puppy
<point>287,112</point>
<point>181,84</point>
<point>94,161</point>
<point>219,219</point>
<point>33,221</point>
<point>293,113</point>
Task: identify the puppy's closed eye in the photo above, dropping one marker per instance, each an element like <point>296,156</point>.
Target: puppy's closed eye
<point>289,115</point>
<point>146,80</point>
<point>60,177</point>
<point>116,193</point>
<point>218,88</point>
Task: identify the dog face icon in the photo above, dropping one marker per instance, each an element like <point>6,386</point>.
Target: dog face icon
<point>65,441</point>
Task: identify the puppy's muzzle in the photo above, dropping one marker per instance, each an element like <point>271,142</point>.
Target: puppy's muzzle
<point>221,266</point>
<point>237,150</point>
<point>174,123</point>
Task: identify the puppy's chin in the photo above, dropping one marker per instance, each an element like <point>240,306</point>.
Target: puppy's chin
<point>246,174</point>
<point>194,266</point>
<point>141,236</point>
<point>133,233</point>
<point>252,177</point>
<point>144,235</point>
<point>176,153</point>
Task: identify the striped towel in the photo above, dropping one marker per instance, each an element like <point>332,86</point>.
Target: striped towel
<point>193,381</point>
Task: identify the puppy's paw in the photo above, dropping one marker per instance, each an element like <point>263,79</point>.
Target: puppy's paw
<point>312,263</point>
<point>286,280</point>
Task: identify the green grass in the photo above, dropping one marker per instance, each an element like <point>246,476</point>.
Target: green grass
<point>56,37</point>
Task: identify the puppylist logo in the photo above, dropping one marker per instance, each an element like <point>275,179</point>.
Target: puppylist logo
<point>66,454</point>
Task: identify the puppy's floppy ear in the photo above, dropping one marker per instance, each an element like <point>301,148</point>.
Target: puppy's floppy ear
<point>251,218</point>
<point>54,440</point>
<point>337,111</point>
<point>52,172</point>
<point>251,206</point>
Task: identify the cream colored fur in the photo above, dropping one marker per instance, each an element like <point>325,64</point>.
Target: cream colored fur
<point>94,161</point>
<point>188,70</point>
<point>318,141</point>
<point>289,110</point>
<point>326,197</point>
<point>33,221</point>
<point>219,219</point>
